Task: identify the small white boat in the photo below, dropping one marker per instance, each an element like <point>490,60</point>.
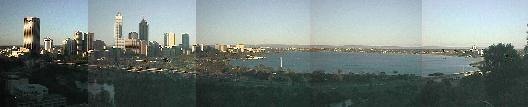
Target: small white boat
<point>254,57</point>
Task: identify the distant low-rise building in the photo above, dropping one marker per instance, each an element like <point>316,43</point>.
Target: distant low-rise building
<point>68,47</point>
<point>32,95</point>
<point>48,44</point>
<point>99,45</point>
<point>154,49</point>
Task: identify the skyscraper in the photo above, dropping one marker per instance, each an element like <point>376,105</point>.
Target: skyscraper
<point>32,34</point>
<point>170,39</point>
<point>185,41</point>
<point>89,41</point>
<point>48,44</point>
<point>118,31</point>
<point>143,30</point>
<point>78,42</point>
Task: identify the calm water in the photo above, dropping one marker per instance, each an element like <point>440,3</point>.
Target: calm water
<point>362,62</point>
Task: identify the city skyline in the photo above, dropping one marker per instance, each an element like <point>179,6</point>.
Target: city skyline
<point>412,23</point>
<point>162,16</point>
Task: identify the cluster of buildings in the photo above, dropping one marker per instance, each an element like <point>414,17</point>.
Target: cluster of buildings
<point>237,48</point>
<point>135,43</point>
<point>171,47</point>
<point>80,44</point>
<point>138,43</point>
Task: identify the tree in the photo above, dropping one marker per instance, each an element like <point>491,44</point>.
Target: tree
<point>501,66</point>
<point>500,57</point>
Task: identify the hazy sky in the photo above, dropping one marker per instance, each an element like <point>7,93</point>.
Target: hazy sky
<point>366,22</point>
<point>253,21</point>
<point>316,22</point>
<point>322,22</point>
<point>469,22</point>
<point>58,19</point>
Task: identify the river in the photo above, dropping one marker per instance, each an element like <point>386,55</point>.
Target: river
<point>305,62</point>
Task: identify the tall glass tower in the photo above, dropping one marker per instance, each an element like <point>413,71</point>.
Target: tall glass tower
<point>32,34</point>
<point>185,41</point>
<point>143,30</point>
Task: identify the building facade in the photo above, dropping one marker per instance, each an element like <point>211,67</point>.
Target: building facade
<point>48,44</point>
<point>185,41</point>
<point>170,40</point>
<point>90,41</point>
<point>31,35</point>
<point>68,47</point>
<point>99,45</point>
<point>143,30</point>
<point>78,42</point>
<point>118,31</point>
<point>133,35</point>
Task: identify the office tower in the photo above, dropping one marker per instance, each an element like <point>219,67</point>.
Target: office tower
<point>32,35</point>
<point>118,31</point>
<point>185,41</point>
<point>143,30</point>
<point>170,39</point>
<point>89,41</point>
<point>84,42</point>
<point>48,44</point>
<point>133,35</point>
<point>77,38</point>
<point>143,47</point>
<point>68,46</point>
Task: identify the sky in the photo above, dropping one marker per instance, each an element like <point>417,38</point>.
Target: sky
<point>58,19</point>
<point>366,22</point>
<point>455,23</point>
<point>474,22</point>
<point>310,22</point>
<point>253,21</point>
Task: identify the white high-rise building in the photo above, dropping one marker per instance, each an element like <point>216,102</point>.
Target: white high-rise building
<point>118,31</point>
<point>48,44</point>
<point>78,42</point>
